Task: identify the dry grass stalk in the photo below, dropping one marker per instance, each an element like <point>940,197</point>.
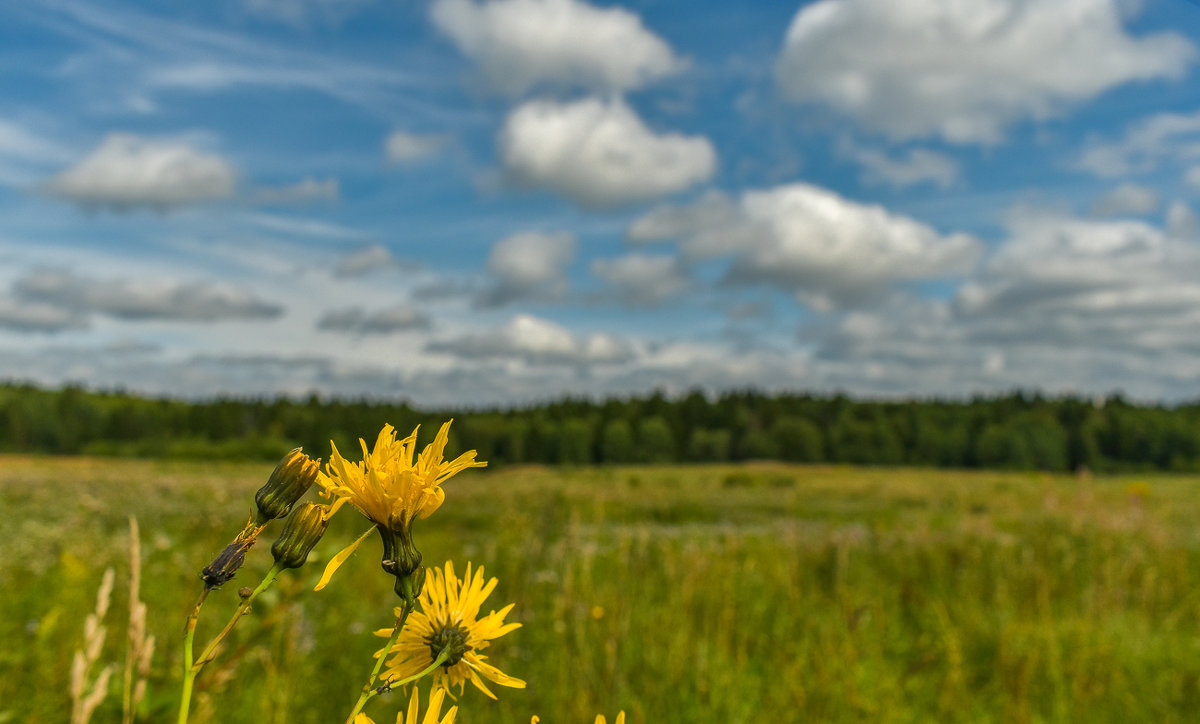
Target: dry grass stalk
<point>139,647</point>
<point>84,697</point>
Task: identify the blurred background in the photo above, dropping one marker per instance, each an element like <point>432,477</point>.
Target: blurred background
<point>836,360</point>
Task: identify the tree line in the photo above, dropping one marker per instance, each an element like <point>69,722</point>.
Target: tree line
<point>1017,431</point>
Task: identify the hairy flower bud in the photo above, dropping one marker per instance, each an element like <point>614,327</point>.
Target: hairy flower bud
<point>300,534</point>
<point>290,480</point>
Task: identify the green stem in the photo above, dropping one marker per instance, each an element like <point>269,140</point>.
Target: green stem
<point>189,674</point>
<point>441,659</point>
<point>210,651</point>
<point>192,667</point>
<point>369,689</point>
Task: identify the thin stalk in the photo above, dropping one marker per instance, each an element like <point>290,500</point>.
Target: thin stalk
<point>189,676</point>
<point>192,667</point>
<point>369,689</point>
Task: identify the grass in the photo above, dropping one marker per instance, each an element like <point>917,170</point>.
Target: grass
<point>679,594</point>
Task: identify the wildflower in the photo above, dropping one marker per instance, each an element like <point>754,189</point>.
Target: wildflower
<point>300,534</point>
<point>448,622</point>
<point>431,713</point>
<point>392,491</point>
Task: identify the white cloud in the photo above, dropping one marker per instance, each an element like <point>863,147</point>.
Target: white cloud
<point>538,342</point>
<point>918,165</point>
<point>825,248</point>
<point>643,279</point>
<point>1125,200</point>
<point>367,259</point>
<point>162,299</point>
<point>128,172</point>
<point>1066,281</point>
<point>528,265</point>
<point>404,147</point>
<point>25,316</point>
<point>24,154</point>
<point>523,44</point>
<point>307,190</point>
<point>1147,143</point>
<point>1064,304</point>
<point>964,70</point>
<point>357,320</point>
<point>600,154</point>
<point>1192,177</point>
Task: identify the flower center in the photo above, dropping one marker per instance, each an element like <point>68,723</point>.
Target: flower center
<point>453,640</point>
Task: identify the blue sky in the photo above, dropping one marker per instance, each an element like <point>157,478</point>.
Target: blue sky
<point>470,202</point>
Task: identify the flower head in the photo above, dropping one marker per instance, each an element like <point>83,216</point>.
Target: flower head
<point>414,709</point>
<point>392,490</point>
<point>448,622</point>
<point>387,486</point>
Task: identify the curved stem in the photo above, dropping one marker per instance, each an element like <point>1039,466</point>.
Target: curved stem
<point>369,689</point>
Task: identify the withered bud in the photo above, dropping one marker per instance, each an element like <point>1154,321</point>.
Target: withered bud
<point>290,480</point>
<point>245,592</point>
<point>226,564</point>
<point>300,534</point>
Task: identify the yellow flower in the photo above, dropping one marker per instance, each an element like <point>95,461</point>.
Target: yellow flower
<point>448,620</point>
<point>387,486</point>
<point>392,491</point>
<point>431,714</point>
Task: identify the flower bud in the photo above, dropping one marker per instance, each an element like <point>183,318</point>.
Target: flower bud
<point>402,559</point>
<point>300,534</point>
<point>290,480</point>
<point>226,564</point>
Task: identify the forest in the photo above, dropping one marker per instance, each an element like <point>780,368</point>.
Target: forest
<point>1018,430</point>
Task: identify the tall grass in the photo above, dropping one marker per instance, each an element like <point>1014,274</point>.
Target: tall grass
<point>679,594</point>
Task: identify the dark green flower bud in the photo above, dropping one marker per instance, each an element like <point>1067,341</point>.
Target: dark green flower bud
<point>291,479</point>
<point>300,534</point>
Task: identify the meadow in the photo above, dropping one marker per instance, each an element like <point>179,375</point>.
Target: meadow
<point>749,593</point>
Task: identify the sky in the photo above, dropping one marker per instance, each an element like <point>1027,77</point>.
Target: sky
<point>480,202</point>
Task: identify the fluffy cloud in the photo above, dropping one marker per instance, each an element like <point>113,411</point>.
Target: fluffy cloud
<point>643,279</point>
<point>1089,283</point>
<point>522,44</point>
<point>1146,144</point>
<point>307,190</point>
<point>1064,304</point>
<point>537,342</point>
<point>128,172</point>
<point>827,249</point>
<point>529,265</point>
<point>965,69</point>
<point>1127,199</point>
<point>919,165</point>
<point>404,147</point>
<point>600,154</point>
<point>160,299</point>
<point>356,320</point>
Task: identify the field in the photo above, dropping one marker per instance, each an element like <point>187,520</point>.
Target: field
<point>678,594</point>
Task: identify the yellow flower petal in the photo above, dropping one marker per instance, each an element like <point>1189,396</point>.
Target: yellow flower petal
<point>337,561</point>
